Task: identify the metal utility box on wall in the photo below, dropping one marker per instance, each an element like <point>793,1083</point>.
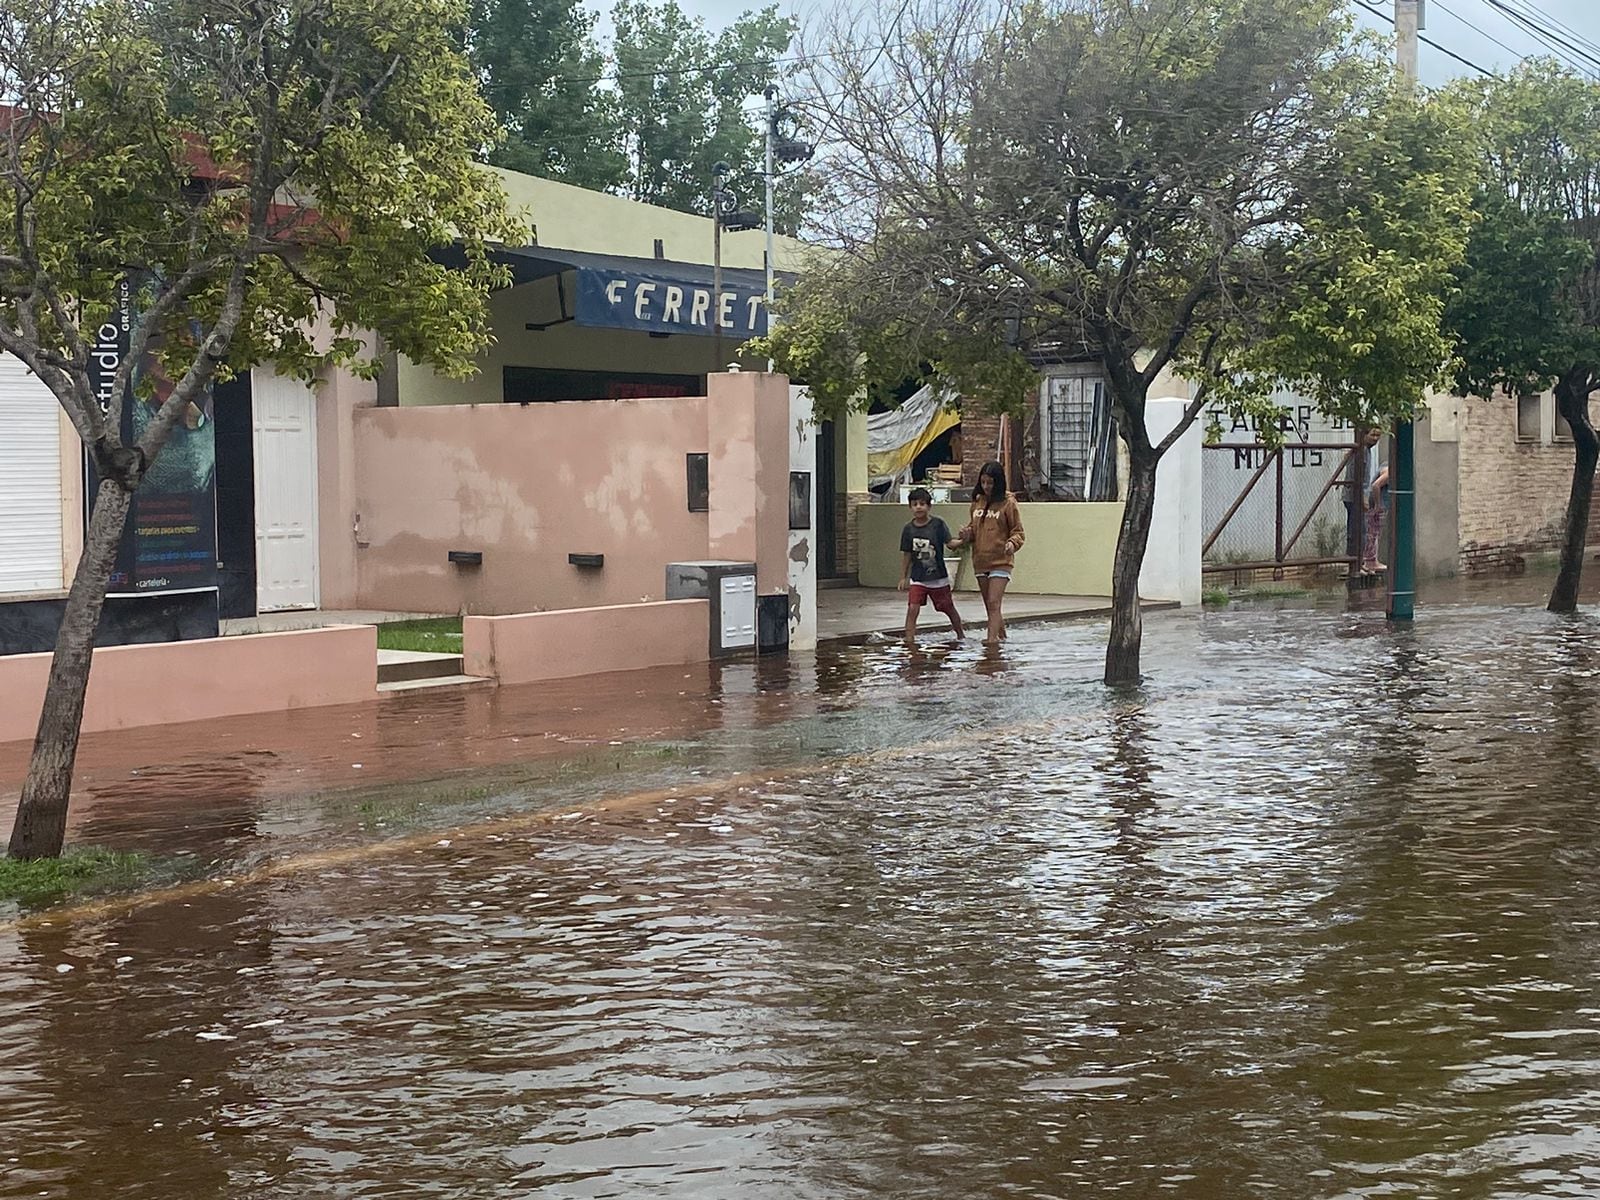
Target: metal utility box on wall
<point>731,588</point>
<point>772,623</point>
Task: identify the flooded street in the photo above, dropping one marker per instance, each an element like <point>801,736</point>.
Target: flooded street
<point>1314,914</point>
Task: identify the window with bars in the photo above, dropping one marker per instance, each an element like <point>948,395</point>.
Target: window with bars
<point>1080,454</point>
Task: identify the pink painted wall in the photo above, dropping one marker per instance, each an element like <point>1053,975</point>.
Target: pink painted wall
<point>163,682</point>
<point>530,647</point>
<point>526,486</point>
<point>748,419</point>
<point>340,397</point>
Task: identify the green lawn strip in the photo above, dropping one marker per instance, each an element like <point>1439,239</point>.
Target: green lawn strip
<point>78,872</point>
<point>432,635</point>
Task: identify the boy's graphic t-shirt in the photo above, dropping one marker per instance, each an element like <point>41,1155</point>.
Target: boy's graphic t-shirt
<point>925,544</point>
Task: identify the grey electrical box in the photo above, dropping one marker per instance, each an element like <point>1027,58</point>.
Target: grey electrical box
<point>731,588</point>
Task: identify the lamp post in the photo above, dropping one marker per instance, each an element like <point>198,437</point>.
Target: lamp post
<point>772,124</point>
<point>780,148</point>
<point>722,201</point>
<point>725,213</point>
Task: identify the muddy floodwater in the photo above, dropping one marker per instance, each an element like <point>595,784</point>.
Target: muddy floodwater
<point>1316,913</point>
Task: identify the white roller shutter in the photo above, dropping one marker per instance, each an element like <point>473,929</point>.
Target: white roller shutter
<point>30,482</point>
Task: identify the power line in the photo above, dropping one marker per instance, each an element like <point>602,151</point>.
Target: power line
<point>1573,55</point>
<point>1533,10</point>
<point>880,49</point>
<point>1477,29</point>
<point>894,27</point>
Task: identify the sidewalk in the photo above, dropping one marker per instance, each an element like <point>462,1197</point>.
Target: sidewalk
<point>314,618</point>
<point>859,612</point>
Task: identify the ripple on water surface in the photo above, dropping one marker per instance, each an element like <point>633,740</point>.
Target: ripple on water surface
<point>1314,915</point>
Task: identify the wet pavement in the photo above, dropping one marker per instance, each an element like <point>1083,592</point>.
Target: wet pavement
<point>854,612</point>
<point>1313,914</point>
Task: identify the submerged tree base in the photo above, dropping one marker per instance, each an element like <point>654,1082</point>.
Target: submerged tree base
<point>78,872</point>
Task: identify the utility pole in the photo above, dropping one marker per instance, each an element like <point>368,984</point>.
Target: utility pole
<point>1409,17</point>
<point>772,133</point>
<point>719,176</point>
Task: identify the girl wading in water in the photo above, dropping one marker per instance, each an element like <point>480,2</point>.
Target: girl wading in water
<point>995,532</point>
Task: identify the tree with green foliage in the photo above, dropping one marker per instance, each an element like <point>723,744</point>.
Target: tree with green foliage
<point>1527,313</point>
<point>685,100</point>
<point>542,71</point>
<point>1233,190</point>
<point>267,179</point>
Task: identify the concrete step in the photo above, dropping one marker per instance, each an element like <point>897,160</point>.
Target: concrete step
<point>435,681</point>
<point>398,666</point>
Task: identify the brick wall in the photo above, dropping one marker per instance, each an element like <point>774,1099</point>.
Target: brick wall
<point>980,441</point>
<point>1513,495</point>
<point>980,436</point>
<point>848,552</point>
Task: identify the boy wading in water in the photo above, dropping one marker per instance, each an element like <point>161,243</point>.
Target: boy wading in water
<point>922,570</point>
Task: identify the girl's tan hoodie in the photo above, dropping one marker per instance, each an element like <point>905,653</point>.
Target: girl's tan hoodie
<point>995,534</point>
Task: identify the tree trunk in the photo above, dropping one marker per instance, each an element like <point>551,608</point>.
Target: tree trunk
<point>1572,402</point>
<point>1127,627</point>
<point>41,824</point>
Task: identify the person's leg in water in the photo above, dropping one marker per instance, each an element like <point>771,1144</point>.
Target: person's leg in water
<point>997,620</point>
<point>1369,557</point>
<point>916,597</point>
<point>993,588</point>
<point>944,601</point>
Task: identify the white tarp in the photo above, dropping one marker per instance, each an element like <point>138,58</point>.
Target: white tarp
<point>896,437</point>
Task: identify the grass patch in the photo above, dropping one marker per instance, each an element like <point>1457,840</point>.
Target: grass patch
<point>431,635</point>
<point>1270,591</point>
<point>77,872</point>
<point>1215,597</point>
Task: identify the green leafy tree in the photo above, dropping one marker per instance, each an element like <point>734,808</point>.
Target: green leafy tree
<point>269,178</point>
<point>687,99</point>
<point>541,71</point>
<point>1527,314</point>
<point>1234,190</point>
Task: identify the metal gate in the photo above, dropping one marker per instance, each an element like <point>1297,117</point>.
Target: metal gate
<point>1309,514</point>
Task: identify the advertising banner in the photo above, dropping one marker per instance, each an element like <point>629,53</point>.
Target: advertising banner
<point>170,541</point>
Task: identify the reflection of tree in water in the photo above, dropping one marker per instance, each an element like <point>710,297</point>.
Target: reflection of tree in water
<point>1447,926</point>
<point>903,945</point>
<point>207,806</point>
<point>839,670</point>
<point>1182,1014</point>
<point>1574,689</point>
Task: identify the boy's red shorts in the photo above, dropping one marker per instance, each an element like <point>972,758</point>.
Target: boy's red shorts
<point>943,600</point>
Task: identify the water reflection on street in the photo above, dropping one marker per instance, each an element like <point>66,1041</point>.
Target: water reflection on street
<point>1314,914</point>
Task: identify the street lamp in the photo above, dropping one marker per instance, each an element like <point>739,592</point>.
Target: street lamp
<point>784,149</point>
<point>725,214</point>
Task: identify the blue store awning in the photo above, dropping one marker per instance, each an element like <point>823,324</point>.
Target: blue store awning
<point>650,295</point>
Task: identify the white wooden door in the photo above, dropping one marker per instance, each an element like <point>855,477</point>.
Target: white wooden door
<point>284,411</point>
<point>30,482</point>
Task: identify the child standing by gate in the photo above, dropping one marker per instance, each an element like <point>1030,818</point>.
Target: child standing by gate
<point>922,570</point>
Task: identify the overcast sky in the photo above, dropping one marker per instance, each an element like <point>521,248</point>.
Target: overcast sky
<point>1474,29</point>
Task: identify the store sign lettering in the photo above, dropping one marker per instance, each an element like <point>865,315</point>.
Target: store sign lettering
<point>657,304</point>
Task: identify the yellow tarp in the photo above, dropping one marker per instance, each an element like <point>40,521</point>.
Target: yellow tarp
<point>895,438</point>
